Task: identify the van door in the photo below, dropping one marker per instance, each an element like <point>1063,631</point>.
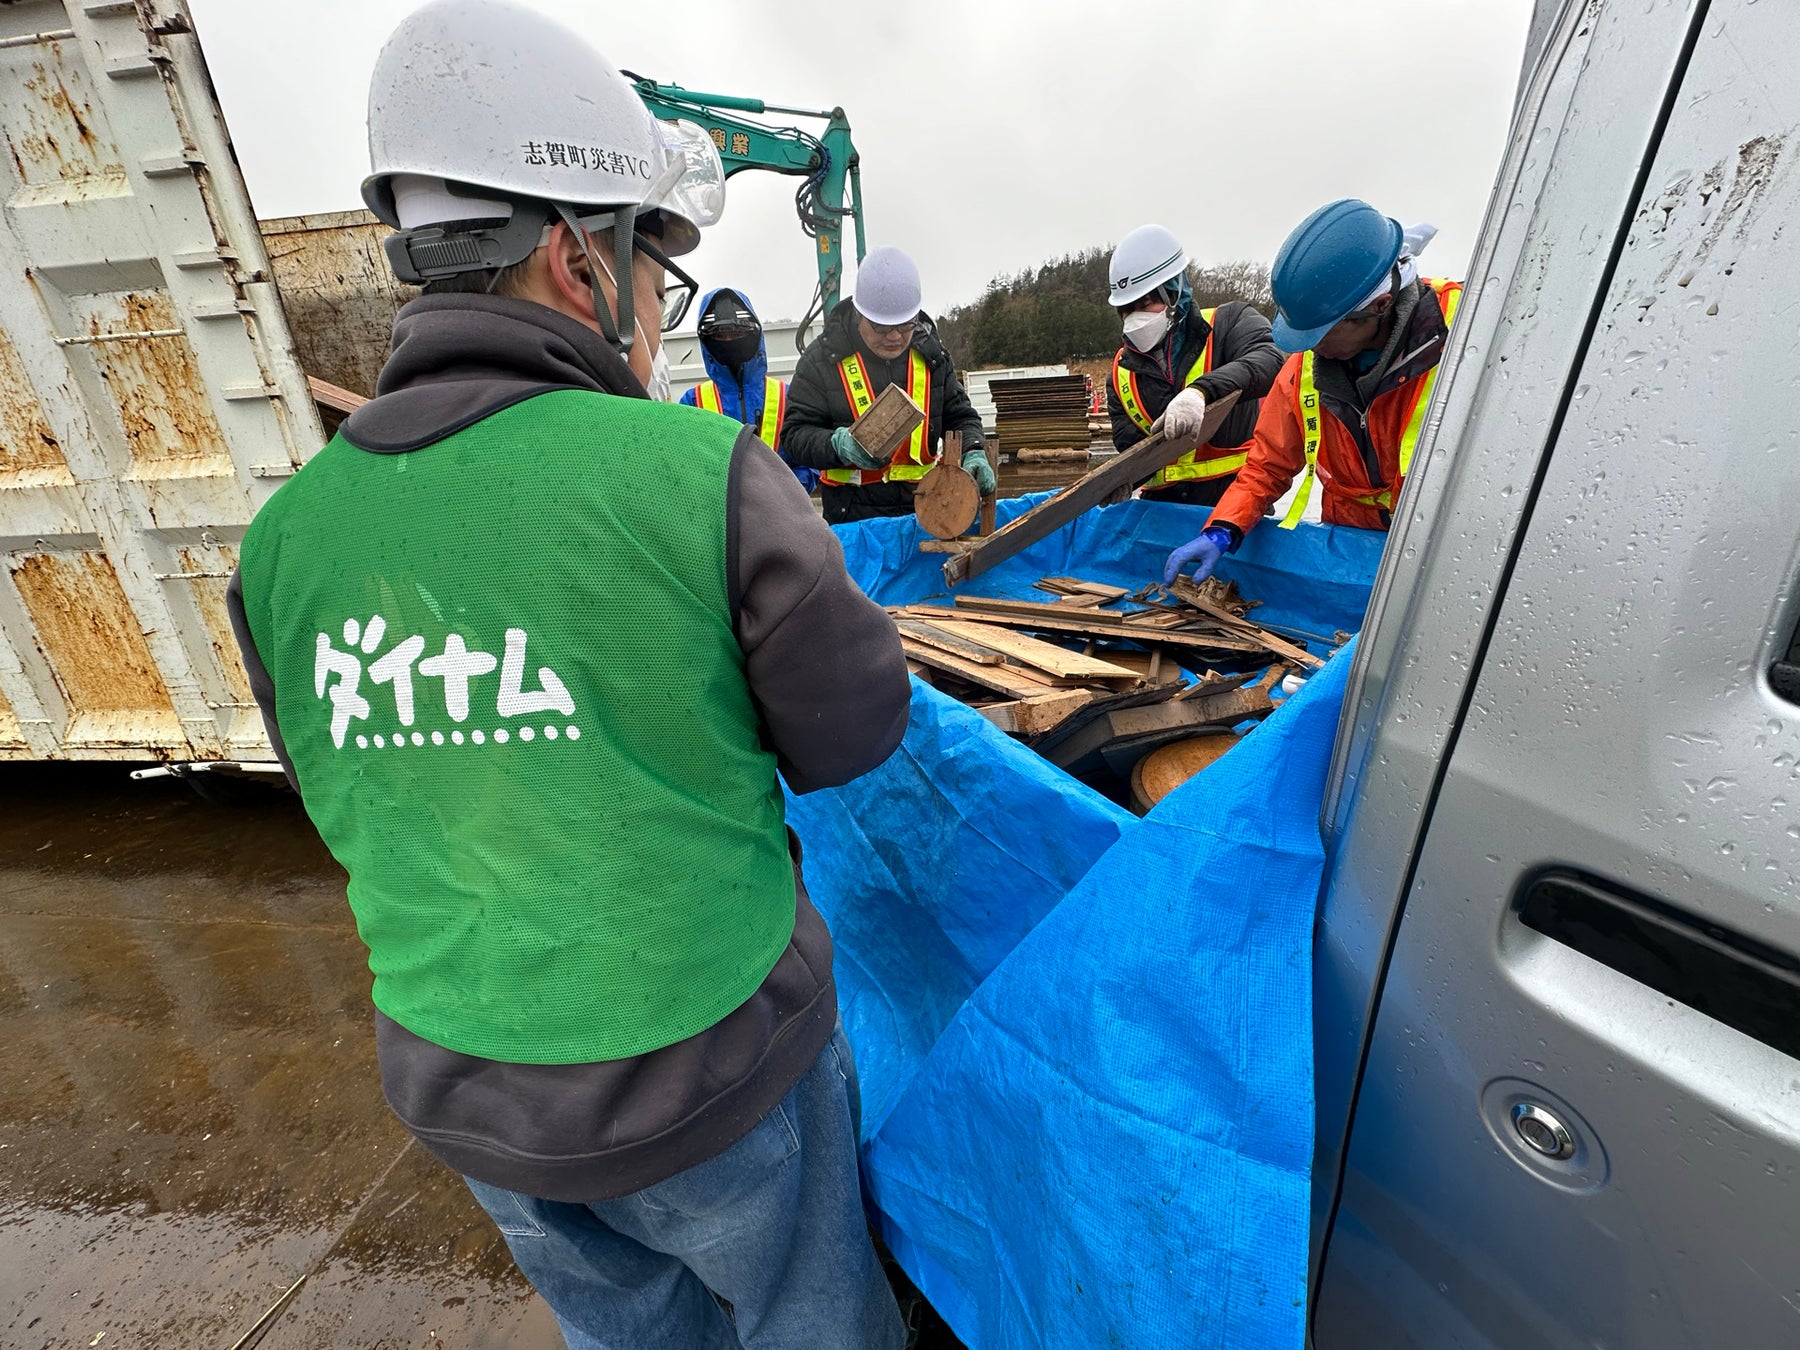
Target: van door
<point>1577,1120</point>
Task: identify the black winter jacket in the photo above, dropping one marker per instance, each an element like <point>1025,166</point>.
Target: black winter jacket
<point>817,405</point>
<point>1245,360</point>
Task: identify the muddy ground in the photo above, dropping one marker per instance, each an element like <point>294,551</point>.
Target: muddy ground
<point>190,1115</point>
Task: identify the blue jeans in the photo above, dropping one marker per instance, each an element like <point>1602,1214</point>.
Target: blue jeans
<point>774,1226</point>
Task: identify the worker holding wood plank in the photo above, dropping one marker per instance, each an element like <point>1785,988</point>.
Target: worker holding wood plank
<point>740,387</point>
<point>1366,333</point>
<point>532,649</point>
<point>1175,359</point>
<point>878,337</point>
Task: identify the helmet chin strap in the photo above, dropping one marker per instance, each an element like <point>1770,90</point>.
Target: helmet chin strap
<point>622,333</point>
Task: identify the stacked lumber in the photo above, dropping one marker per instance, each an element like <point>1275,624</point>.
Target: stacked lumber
<point>1100,677</point>
<point>1046,413</point>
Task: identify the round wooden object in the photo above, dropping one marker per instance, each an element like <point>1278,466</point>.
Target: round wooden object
<point>1160,772</point>
<point>946,501</point>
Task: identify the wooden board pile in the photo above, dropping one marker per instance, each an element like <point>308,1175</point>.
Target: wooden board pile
<point>1046,413</point>
<point>1093,686</point>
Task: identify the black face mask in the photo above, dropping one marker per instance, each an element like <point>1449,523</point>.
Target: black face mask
<point>729,331</point>
<point>736,350</point>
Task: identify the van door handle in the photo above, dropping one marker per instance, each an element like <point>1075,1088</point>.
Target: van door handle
<point>1727,976</point>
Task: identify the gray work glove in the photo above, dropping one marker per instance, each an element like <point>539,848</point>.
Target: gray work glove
<point>975,464</point>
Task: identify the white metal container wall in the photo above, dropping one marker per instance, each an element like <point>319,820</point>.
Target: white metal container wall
<point>149,398</point>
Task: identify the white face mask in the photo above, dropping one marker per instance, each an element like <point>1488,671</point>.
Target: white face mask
<point>1145,328</point>
<point>659,386</point>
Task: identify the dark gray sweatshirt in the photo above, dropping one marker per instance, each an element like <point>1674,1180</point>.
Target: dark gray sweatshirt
<point>826,671</point>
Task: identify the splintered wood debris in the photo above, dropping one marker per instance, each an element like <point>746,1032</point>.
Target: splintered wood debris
<point>1099,677</point>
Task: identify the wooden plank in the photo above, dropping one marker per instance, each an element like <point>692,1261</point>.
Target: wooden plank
<point>1074,624</point>
<point>1155,666</point>
<point>1029,609</point>
<point>1103,703</point>
<point>1191,594</point>
<point>1038,714</point>
<point>891,418</point>
<point>1216,684</point>
<point>947,545</point>
<point>991,501</point>
<point>1144,729</point>
<point>1003,679</point>
<point>1158,618</point>
<point>1076,586</point>
<point>331,396</point>
<point>933,636</point>
<point>1064,619</point>
<point>1030,651</point>
<point>1230,707</point>
<point>1122,471</point>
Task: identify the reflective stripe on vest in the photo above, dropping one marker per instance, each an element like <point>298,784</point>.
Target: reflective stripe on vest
<point>774,408</point>
<point>1188,468</point>
<point>1306,399</point>
<point>910,461</point>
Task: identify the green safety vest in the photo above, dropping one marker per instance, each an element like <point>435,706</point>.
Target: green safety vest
<point>506,673</point>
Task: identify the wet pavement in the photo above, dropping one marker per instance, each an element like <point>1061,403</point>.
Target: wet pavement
<point>190,1117</point>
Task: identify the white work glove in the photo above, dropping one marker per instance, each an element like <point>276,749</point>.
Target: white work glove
<point>1183,417</point>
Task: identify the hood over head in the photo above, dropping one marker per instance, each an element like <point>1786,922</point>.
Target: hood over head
<point>753,368</point>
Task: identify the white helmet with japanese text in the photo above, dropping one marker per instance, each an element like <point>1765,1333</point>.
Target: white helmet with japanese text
<point>489,121</point>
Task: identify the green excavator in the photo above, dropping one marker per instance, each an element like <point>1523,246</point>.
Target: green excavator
<point>826,164</point>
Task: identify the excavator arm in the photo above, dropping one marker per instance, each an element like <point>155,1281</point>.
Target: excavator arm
<point>827,164</point>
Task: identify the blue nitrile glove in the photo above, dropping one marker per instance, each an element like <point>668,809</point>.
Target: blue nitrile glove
<point>975,464</point>
<point>849,452</point>
<point>1202,554</point>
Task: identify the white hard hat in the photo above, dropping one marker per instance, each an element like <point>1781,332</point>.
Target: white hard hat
<point>489,94</point>
<point>1146,258</point>
<point>887,287</point>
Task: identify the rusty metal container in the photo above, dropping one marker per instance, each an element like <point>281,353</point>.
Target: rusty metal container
<point>150,395</point>
<point>339,293</point>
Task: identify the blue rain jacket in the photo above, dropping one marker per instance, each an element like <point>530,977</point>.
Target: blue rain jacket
<point>744,401</point>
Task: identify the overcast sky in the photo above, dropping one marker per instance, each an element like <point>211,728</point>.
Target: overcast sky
<point>994,134</point>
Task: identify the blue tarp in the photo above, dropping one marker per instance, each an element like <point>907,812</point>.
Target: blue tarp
<point>1085,1040</point>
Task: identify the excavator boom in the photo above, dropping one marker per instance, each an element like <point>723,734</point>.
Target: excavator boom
<point>827,165</point>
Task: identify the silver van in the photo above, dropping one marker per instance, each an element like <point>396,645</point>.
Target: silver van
<point>1558,972</point>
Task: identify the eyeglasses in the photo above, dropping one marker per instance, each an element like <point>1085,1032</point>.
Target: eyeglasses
<point>677,294</point>
<point>890,329</point>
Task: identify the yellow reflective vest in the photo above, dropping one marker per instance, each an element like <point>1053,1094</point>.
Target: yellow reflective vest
<point>774,408</point>
<point>1189,467</point>
<point>913,458</point>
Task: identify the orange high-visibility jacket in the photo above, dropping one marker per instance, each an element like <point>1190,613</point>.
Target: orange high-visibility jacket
<point>1278,452</point>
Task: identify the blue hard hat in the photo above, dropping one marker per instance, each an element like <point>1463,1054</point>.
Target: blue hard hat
<point>1331,261</point>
